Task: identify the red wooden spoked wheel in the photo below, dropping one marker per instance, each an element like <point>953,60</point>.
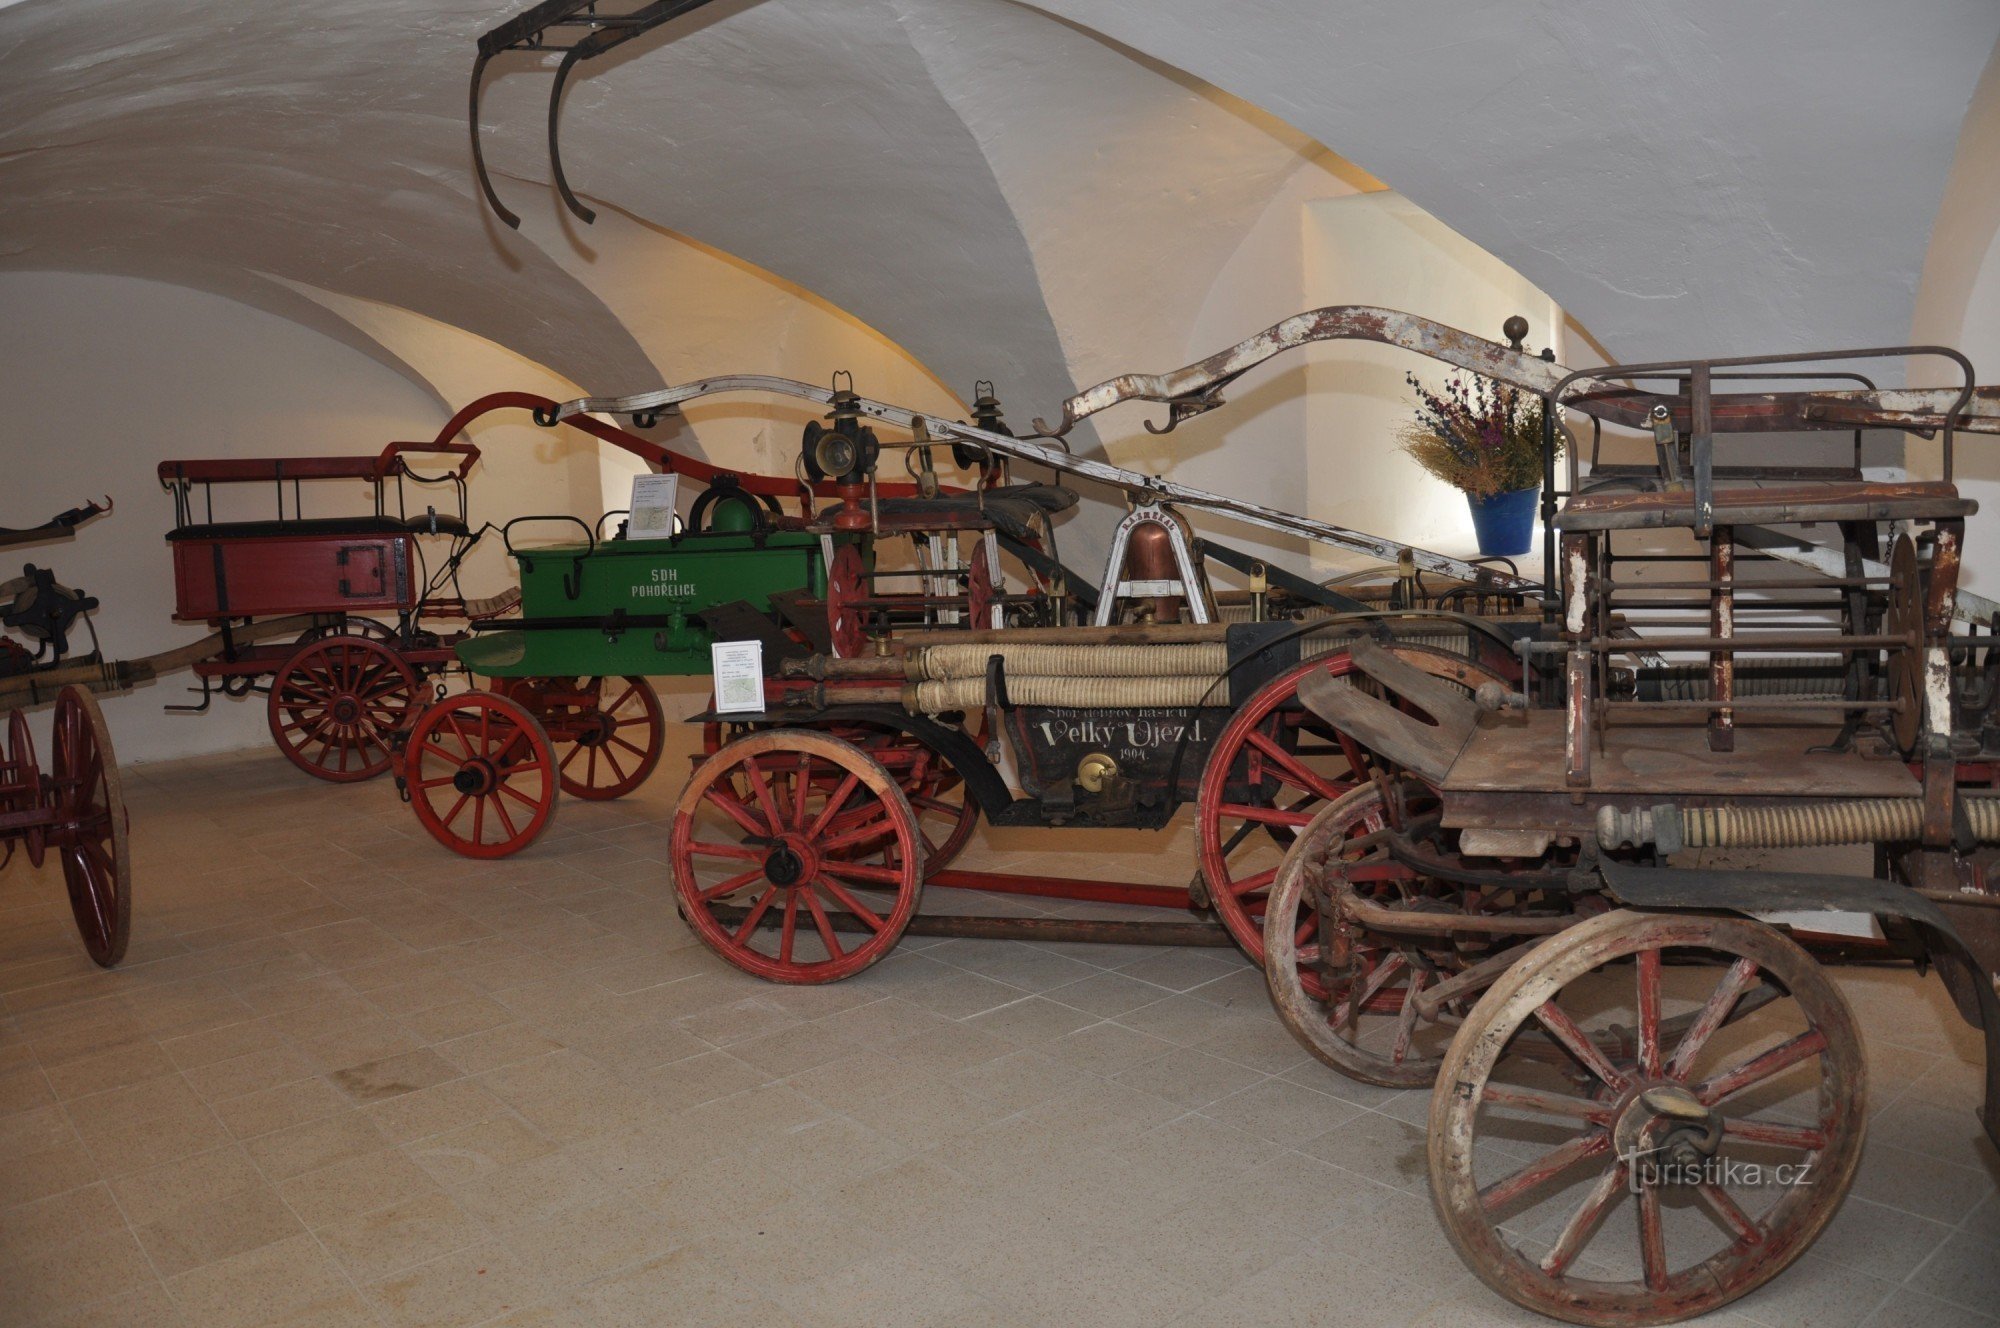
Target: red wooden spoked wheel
<point>796,856</point>
<point>846,584</point>
<point>1728,1141</point>
<point>1343,990</point>
<point>1274,766</point>
<point>945,811</point>
<point>608,732</point>
<point>481,774</point>
<point>336,705</point>
<point>22,787</point>
<point>89,826</point>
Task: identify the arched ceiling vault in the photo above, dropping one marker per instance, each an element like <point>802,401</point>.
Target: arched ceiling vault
<point>1038,193</point>
<point>1702,177</point>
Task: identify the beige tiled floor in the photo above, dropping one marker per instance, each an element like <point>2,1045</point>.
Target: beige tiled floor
<point>347,1078</point>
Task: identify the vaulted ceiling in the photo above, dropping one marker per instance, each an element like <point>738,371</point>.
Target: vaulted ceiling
<point>1034,193</point>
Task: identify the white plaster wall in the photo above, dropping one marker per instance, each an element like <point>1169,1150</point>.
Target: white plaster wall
<point>107,376</point>
<point>1958,304</point>
<point>1977,459</point>
<point>1382,249</point>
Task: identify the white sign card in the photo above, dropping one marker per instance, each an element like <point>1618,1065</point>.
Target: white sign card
<point>739,677</point>
<point>653,506</point>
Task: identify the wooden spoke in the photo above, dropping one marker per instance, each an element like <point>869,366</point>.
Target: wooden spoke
<point>732,885</point>
<point>1546,1103</point>
<point>1729,1213</point>
<point>1756,1069</point>
<point>850,903</point>
<point>1810,1138</point>
<point>1648,971</point>
<point>1716,1009</point>
<point>1565,1031</point>
<point>1652,1239</point>
<point>1585,1222</point>
<point>1550,1165</point>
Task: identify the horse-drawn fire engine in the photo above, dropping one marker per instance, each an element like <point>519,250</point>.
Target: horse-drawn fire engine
<point>1484,808</point>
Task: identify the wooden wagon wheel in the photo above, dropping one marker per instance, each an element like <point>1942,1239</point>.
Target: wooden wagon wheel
<point>1735,1147</point>
<point>1272,768</point>
<point>796,856</point>
<point>22,788</point>
<point>1346,994</point>
<point>846,585</point>
<point>89,826</point>
<point>945,810</point>
<point>604,748</point>
<point>336,705</point>
<point>481,774</point>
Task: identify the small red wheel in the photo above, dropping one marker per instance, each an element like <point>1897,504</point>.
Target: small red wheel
<point>89,826</point>
<point>1274,766</point>
<point>846,584</point>
<point>481,774</point>
<point>336,705</point>
<point>796,856</point>
<point>22,787</point>
<point>604,749</point>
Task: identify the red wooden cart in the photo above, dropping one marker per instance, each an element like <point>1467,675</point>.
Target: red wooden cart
<point>339,690</point>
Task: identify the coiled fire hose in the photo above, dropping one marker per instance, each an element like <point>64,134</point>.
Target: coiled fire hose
<point>1799,825</point>
<point>936,663</point>
<point>930,698</point>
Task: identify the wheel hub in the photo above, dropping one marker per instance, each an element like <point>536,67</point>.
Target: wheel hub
<point>784,866</point>
<point>475,777</point>
<point>1666,1131</point>
<point>592,728</point>
<point>345,709</point>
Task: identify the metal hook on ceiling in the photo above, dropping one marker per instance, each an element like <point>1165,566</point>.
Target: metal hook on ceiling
<point>500,209</point>
<point>530,30</point>
<point>570,200</point>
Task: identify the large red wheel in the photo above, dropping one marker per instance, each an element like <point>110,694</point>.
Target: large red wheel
<point>945,810</point>
<point>89,826</point>
<point>1274,766</point>
<point>336,705</point>
<point>481,774</point>
<point>22,788</point>
<point>796,856</point>
<point>1734,1138</point>
<point>608,733</point>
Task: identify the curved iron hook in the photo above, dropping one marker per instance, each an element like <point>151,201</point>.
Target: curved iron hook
<point>478,157</point>
<point>570,200</point>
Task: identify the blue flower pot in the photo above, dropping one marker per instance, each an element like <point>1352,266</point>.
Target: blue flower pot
<point>1505,522</point>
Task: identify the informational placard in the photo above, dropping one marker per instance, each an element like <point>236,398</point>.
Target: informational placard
<point>739,676</point>
<point>653,506</point>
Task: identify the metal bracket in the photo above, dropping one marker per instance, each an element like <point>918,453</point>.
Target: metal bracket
<point>531,30</point>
